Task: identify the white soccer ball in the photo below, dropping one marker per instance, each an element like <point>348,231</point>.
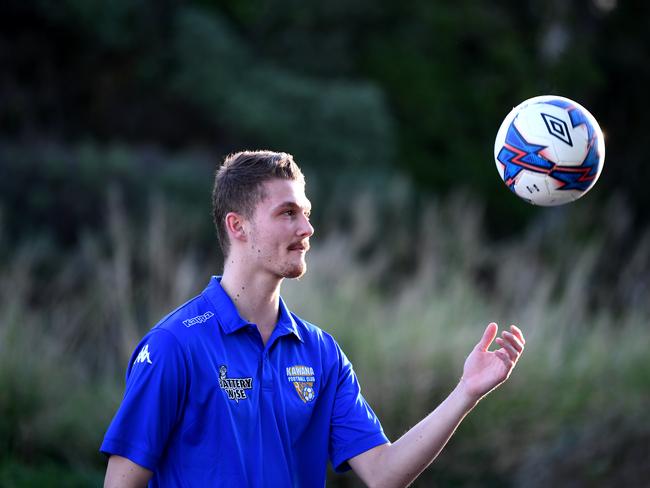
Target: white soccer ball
<point>549,150</point>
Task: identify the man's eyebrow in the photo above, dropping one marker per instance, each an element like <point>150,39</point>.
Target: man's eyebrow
<point>292,204</point>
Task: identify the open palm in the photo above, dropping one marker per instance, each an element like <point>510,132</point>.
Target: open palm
<point>484,370</point>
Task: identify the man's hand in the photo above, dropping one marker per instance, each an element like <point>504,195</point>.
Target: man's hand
<point>485,370</point>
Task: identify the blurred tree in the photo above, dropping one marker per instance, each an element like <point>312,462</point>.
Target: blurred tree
<point>452,70</point>
<point>414,86</point>
<point>621,102</point>
<point>322,121</point>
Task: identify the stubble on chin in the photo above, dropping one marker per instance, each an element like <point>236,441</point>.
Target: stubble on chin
<point>294,271</point>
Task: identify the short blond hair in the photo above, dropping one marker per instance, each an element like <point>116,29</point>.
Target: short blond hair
<point>238,185</point>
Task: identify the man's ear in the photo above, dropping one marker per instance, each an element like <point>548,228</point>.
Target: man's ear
<point>235,226</point>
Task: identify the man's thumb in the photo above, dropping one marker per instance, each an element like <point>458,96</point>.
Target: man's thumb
<point>488,336</point>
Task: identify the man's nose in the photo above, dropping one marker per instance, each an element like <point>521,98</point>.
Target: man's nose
<point>306,229</point>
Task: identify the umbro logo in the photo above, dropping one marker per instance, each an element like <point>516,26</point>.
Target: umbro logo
<point>557,128</point>
<point>143,356</point>
<point>199,319</point>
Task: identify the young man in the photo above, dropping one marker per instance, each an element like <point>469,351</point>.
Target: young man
<point>233,390</point>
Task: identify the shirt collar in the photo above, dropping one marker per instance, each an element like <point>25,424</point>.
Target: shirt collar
<point>231,321</point>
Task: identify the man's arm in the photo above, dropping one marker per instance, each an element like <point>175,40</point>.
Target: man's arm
<point>398,464</point>
<point>124,473</point>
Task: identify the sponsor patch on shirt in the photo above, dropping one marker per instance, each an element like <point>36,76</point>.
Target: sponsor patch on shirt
<point>303,380</point>
<point>234,387</point>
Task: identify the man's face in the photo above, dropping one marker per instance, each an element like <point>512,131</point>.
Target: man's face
<point>280,230</point>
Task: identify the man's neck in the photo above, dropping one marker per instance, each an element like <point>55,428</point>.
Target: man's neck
<point>256,296</point>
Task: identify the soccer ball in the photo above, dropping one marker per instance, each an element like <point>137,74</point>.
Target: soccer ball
<point>549,150</point>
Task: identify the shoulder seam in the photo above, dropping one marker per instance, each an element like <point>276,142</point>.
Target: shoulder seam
<point>167,317</point>
<point>178,343</point>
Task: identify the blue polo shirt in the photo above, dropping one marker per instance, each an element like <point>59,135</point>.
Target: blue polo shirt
<point>207,404</point>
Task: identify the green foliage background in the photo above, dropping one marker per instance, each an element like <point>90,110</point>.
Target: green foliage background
<point>113,116</point>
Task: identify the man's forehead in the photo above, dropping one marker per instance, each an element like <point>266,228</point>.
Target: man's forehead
<point>285,192</point>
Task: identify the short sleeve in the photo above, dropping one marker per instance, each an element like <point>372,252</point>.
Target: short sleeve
<point>153,400</point>
<point>354,426</point>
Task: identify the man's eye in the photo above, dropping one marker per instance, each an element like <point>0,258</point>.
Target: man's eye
<point>290,213</point>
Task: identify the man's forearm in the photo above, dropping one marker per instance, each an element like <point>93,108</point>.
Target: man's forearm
<point>400,463</point>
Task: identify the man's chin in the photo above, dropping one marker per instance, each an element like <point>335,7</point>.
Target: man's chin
<point>296,271</point>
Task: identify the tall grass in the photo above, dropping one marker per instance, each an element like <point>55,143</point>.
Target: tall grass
<point>407,294</point>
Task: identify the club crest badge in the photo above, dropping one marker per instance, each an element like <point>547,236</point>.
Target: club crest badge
<point>303,380</point>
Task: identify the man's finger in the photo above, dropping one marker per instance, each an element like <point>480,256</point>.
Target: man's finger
<point>514,340</point>
<point>520,335</point>
<point>507,346</point>
<point>488,336</point>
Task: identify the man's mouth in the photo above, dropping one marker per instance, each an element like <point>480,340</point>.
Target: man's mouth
<point>299,246</point>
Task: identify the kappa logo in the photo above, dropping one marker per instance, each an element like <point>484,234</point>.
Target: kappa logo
<point>234,387</point>
<point>143,356</point>
<point>303,380</point>
<point>198,319</point>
